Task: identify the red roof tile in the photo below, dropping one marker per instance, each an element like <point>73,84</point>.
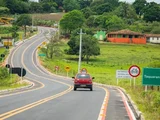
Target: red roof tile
<point>126,32</point>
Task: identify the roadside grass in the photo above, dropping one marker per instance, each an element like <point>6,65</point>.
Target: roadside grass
<point>11,82</point>
<point>2,50</point>
<point>103,67</point>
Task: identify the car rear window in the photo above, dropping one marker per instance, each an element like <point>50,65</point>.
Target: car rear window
<point>83,76</point>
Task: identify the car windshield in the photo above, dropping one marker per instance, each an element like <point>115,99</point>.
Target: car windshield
<point>83,76</point>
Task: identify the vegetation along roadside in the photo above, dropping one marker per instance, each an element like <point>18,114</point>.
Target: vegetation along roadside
<point>103,67</point>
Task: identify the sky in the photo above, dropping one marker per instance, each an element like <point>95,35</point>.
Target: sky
<point>130,1</point>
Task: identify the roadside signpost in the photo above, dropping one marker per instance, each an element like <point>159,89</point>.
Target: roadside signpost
<point>2,56</point>
<point>44,43</point>
<point>39,48</point>
<point>8,66</point>
<point>123,74</point>
<point>151,76</point>
<point>42,55</point>
<point>84,70</point>
<point>56,68</point>
<point>18,70</point>
<point>67,68</point>
<point>134,71</point>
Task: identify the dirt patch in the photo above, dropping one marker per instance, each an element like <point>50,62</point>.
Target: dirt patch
<point>51,16</point>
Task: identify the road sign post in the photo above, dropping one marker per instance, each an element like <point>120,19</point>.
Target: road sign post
<point>2,56</point>
<point>122,74</point>
<point>151,76</point>
<point>8,66</point>
<point>134,71</point>
<point>56,68</point>
<point>67,68</point>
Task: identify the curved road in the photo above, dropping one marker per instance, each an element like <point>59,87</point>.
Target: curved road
<point>52,97</point>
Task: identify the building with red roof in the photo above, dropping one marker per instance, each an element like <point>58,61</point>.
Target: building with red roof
<point>126,36</point>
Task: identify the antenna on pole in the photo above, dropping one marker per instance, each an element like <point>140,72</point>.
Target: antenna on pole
<point>80,50</point>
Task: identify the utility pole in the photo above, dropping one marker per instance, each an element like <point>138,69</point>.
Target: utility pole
<point>32,22</point>
<point>80,50</point>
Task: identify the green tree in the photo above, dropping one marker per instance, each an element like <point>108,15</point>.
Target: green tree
<point>139,6</point>
<point>114,23</point>
<point>100,21</point>
<point>100,9</point>
<point>90,21</point>
<point>152,12</point>
<point>2,3</point>
<point>72,20</point>
<point>114,3</point>
<point>70,5</point>
<point>96,3</point>
<point>90,46</point>
<point>24,20</point>
<point>87,12</point>
<point>4,10</point>
<point>14,31</point>
<point>17,6</point>
<point>35,7</point>
<point>53,48</point>
<point>84,3</point>
<point>49,6</point>
<point>126,11</point>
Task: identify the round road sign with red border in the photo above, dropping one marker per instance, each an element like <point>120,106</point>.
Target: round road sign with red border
<point>134,71</point>
<point>84,70</point>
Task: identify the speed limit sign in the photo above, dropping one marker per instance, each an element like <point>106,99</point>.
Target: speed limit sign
<point>134,71</point>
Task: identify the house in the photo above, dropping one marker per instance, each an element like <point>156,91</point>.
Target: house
<point>153,38</point>
<point>7,41</point>
<point>100,35</point>
<point>34,0</point>
<point>126,36</point>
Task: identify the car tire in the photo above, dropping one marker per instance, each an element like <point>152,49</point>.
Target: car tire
<point>91,89</point>
<point>75,88</point>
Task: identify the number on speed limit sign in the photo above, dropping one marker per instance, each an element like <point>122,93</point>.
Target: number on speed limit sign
<point>134,71</point>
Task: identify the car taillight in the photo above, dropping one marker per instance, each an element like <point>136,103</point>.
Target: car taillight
<point>76,80</point>
<point>90,80</point>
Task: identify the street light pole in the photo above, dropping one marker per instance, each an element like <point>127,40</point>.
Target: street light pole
<point>80,51</point>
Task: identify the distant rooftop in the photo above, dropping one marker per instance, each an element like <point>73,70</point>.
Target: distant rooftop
<point>126,32</point>
<point>152,35</point>
<point>34,0</point>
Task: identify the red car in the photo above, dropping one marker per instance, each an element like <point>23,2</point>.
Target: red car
<point>83,81</point>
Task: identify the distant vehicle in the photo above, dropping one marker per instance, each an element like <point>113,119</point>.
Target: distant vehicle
<point>83,80</point>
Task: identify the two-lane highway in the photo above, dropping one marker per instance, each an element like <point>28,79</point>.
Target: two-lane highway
<point>54,98</point>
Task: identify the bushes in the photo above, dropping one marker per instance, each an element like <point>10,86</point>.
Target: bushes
<point>3,73</point>
<point>5,30</point>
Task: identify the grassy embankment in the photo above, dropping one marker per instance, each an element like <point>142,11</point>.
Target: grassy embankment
<point>10,81</point>
<point>116,57</point>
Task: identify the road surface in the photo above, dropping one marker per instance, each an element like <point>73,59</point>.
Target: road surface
<point>52,97</point>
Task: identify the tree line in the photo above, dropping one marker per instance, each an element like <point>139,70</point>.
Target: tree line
<point>108,15</point>
<point>148,11</point>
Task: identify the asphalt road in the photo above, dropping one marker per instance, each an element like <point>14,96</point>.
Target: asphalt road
<point>52,97</point>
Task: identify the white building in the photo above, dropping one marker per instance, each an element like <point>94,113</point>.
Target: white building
<point>34,0</point>
<point>153,38</point>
